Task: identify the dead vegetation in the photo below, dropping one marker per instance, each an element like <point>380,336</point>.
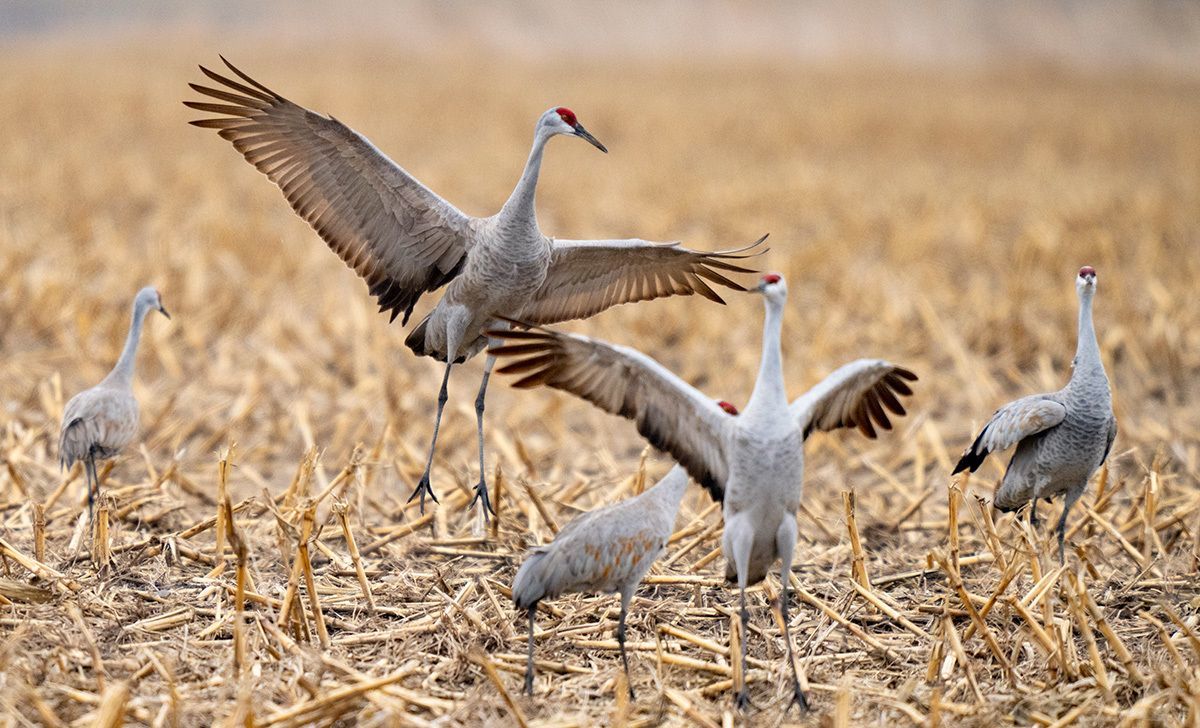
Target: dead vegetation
<point>265,569</point>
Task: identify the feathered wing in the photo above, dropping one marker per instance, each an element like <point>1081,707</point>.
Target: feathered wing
<point>859,394</point>
<point>399,236</point>
<point>670,413</point>
<point>1112,435</point>
<point>589,276</point>
<point>1009,425</point>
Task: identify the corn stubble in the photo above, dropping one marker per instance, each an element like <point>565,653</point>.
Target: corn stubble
<point>925,218</point>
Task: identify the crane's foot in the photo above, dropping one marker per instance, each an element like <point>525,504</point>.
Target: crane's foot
<point>528,689</point>
<point>742,700</point>
<point>798,699</point>
<point>423,489</point>
<point>481,496</point>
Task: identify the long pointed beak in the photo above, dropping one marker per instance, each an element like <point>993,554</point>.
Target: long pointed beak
<point>163,311</point>
<point>585,134</point>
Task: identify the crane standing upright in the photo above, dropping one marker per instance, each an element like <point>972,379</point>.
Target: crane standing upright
<point>99,422</point>
<point>1061,437</point>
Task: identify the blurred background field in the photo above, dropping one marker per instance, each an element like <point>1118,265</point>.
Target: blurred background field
<point>931,178</point>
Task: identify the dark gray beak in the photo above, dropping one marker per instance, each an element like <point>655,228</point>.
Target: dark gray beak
<point>585,134</point>
<point>163,311</point>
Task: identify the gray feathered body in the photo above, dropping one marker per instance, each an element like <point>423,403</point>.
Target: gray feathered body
<point>1063,458</point>
<point>101,421</point>
<point>505,268</point>
<point>1061,437</point>
<point>766,472</point>
<point>606,550</point>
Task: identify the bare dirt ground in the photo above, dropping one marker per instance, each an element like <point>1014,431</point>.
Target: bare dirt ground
<point>936,220</point>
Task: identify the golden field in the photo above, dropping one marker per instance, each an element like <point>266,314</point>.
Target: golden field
<point>934,219</point>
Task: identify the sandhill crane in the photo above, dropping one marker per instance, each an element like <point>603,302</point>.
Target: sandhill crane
<point>1061,437</point>
<point>99,422</point>
<point>404,240</point>
<point>754,463</point>
<point>606,550</point>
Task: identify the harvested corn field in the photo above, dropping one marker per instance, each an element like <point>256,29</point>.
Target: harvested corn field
<point>264,566</point>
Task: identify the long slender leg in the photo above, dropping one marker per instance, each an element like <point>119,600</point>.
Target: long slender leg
<point>481,493</point>
<point>742,699</point>
<point>785,542</point>
<point>423,488</point>
<point>93,483</point>
<point>625,597</point>
<point>529,659</point>
<point>739,540</point>
<point>1068,501</point>
<point>1033,519</point>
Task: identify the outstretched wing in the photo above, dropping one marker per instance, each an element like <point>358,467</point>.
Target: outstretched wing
<point>399,236</point>
<point>670,413</point>
<point>1009,425</point>
<point>588,276</point>
<point>855,395</point>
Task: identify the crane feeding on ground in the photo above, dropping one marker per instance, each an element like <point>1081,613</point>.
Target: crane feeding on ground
<point>404,240</point>
<point>606,550</point>
<point>753,463</point>
<point>99,422</point>
<point>1061,437</point>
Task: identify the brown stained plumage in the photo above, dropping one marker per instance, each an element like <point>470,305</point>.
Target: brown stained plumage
<point>605,550</point>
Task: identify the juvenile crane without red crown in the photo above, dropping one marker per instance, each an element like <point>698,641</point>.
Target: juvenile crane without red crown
<point>606,550</point>
<point>404,240</point>
<point>99,422</point>
<point>754,463</point>
<point>1061,437</point>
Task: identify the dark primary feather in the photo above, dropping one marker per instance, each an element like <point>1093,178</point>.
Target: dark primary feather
<point>973,457</point>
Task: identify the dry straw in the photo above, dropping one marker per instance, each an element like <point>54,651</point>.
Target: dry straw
<point>935,220</point>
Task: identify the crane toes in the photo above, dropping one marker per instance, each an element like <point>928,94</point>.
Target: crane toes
<point>481,495</point>
<point>742,700</point>
<point>423,489</point>
<point>798,699</point>
<point>528,689</point>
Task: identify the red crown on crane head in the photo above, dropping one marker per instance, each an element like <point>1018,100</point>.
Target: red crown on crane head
<point>567,116</point>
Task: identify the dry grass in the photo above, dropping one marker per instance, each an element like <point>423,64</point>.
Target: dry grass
<point>934,220</point>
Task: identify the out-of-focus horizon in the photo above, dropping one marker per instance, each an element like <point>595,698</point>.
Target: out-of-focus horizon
<point>1105,36</point>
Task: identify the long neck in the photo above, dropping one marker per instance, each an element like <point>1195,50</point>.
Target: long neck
<point>671,488</point>
<point>122,373</point>
<point>520,204</point>
<point>769,390</point>
<point>1087,350</point>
